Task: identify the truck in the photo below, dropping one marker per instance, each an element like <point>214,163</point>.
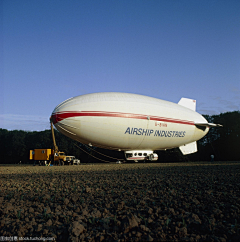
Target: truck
<point>63,159</point>
<point>48,156</point>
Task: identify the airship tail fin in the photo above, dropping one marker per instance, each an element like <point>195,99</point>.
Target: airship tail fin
<point>189,148</point>
<point>188,103</point>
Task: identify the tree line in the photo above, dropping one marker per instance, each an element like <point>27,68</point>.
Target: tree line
<point>222,142</point>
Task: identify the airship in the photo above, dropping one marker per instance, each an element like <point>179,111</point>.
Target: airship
<point>136,124</point>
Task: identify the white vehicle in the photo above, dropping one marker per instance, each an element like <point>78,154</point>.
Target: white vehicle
<point>76,161</point>
<point>72,160</point>
<point>131,122</point>
<point>140,155</point>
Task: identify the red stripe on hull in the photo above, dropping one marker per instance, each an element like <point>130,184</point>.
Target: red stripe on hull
<point>57,117</point>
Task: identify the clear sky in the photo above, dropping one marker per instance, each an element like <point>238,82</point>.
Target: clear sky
<point>53,50</point>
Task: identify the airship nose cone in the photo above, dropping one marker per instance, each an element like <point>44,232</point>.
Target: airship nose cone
<point>62,111</point>
<point>63,118</point>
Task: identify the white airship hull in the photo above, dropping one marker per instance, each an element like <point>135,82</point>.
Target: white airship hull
<point>124,121</point>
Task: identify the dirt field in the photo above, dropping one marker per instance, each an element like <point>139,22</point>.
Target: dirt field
<point>121,202</point>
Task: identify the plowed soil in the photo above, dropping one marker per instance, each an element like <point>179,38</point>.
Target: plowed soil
<point>122,202</point>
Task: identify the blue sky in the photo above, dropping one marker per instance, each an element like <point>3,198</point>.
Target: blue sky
<point>53,50</point>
